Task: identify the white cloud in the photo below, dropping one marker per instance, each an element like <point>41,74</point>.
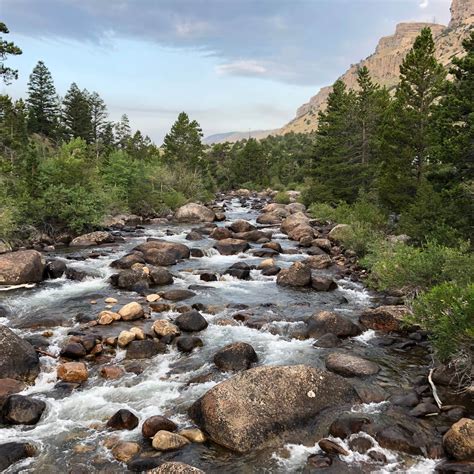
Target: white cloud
<point>424,3</point>
<point>243,67</point>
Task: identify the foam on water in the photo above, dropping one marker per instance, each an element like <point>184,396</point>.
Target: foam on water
<point>365,337</point>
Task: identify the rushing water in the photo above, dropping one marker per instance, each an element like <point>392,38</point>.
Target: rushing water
<point>70,432</point>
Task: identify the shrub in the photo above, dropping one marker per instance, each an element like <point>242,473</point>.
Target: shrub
<point>7,220</point>
<point>282,198</point>
<point>447,312</point>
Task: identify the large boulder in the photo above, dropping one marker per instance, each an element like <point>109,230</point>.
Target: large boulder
<point>235,356</point>
<point>24,266</point>
<point>318,262</point>
<point>193,212</point>
<point>93,238</point>
<point>18,358</point>
<point>298,275</point>
<point>327,322</point>
<point>384,318</point>
<point>292,221</point>
<point>22,410</point>
<point>459,440</point>
<point>250,409</point>
<point>231,246</point>
<point>160,276</point>
<point>162,253</point>
<point>191,321</point>
<point>241,226</point>
<point>301,231</point>
<point>220,233</point>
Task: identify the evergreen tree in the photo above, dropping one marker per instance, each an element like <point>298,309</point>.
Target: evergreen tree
<point>123,131</point>
<point>250,164</point>
<point>42,102</point>
<point>182,145</point>
<point>7,48</point>
<point>13,132</point>
<point>98,116</point>
<point>77,114</point>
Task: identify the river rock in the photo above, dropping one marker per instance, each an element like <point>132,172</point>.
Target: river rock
<point>327,341</point>
<point>188,343</point>
<point>122,420</point>
<point>156,423</point>
<point>324,244</point>
<point>252,236</point>
<point>178,295</point>
<point>295,207</point>
<point>191,321</point>
<point>320,283</point>
<point>298,275</point>
<point>9,387</point>
<point>73,350</point>
<point>236,356</point>
<point>331,447</point>
<point>74,372</point>
<point>132,280</point>
<point>250,409</point>
<point>317,461</point>
<point>175,467</point>
<point>131,311</point>
<point>10,453</point>
<point>127,261</point>
<point>207,276</point>
<point>108,317</point>
<point>271,271</point>
<point>347,424</point>
<point>165,328</point>
<point>22,410</point>
<point>350,365</point>
<point>139,333</point>
<point>360,444</point>
<point>384,318</point>
<point>459,440</point>
<point>144,349</point>
<point>167,441</point>
<point>231,246</point>
<point>125,338</point>
<point>195,435</point>
<point>124,451</point>
<point>54,269</point>
<point>18,358</point>
<point>302,233</point>
<point>340,231</point>
<point>293,221</point>
<point>18,268</point>
<point>273,246</point>
<point>318,262</point>
<point>328,322</point>
<point>272,218</point>
<point>194,235</point>
<point>240,270</point>
<point>241,225</point>
<point>93,238</point>
<point>193,212</point>
<point>111,372</point>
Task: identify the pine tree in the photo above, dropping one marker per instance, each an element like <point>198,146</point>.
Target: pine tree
<point>123,131</point>
<point>77,114</point>
<point>182,145</point>
<point>98,116</point>
<point>7,48</point>
<point>43,108</point>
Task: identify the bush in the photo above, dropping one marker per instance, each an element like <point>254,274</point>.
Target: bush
<point>447,312</point>
<point>7,220</point>
<point>414,269</point>
<point>282,198</point>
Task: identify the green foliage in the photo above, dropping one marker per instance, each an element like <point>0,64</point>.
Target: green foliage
<point>7,48</point>
<point>282,198</point>
<point>447,312</point>
<point>77,113</point>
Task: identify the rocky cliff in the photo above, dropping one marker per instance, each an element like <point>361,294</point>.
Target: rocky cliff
<point>385,62</point>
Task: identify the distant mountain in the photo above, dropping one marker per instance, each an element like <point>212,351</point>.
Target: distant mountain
<point>383,64</point>
<point>236,136</point>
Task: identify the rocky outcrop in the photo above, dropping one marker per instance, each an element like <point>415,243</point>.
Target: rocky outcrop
<point>252,408</point>
<point>18,358</point>
<point>193,212</point>
<point>24,266</point>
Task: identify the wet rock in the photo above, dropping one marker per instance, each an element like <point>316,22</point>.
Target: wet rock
<point>178,295</point>
<point>340,231</point>
<point>122,420</point>
<point>423,409</point>
<point>194,235</point>
<point>24,266</point>
<point>302,233</point>
<point>195,435</point>
<point>144,349</point>
<point>10,453</point>
<point>22,410</point>
<point>325,322</point>
<point>132,280</point>
<point>208,276</point>
<point>188,343</point>
<point>240,270</point>
<point>192,321</point>
<point>236,356</point>
<point>175,467</point>
<point>76,275</point>
<point>272,218</point>
<point>293,221</point>
<point>124,451</point>
<point>112,372</point>
<point>241,225</point>
<point>197,253</point>
<point>160,276</point>
<point>156,423</point>
<point>318,262</point>
<point>231,246</point>
<point>252,236</point>
<point>127,261</point>
<point>328,341</point>
<point>220,233</point>
<point>377,456</point>
<point>165,328</point>
<point>320,283</point>
<point>410,400</point>
<point>350,365</point>
<point>273,246</point>
<point>125,338</point>
<point>54,269</point>
<point>271,271</point>
<point>360,444</point>
<point>159,307</point>
<point>9,387</point>
<point>156,251</point>
<point>93,238</point>
<point>167,441</point>
<point>331,447</point>
<point>459,440</point>
<point>75,372</point>
<point>131,311</point>
<point>347,424</point>
<point>324,244</point>
<point>384,318</point>
<point>138,332</point>
<point>298,275</point>
<point>144,463</point>
<point>231,412</point>
<point>73,350</point>
<point>193,212</point>
<point>108,317</point>
<point>318,461</point>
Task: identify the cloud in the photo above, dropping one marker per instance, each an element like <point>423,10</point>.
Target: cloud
<point>424,4</point>
<point>243,67</point>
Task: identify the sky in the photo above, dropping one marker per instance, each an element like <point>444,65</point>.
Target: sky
<point>233,65</point>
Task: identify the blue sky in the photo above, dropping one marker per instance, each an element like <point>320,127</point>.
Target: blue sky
<point>231,64</point>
